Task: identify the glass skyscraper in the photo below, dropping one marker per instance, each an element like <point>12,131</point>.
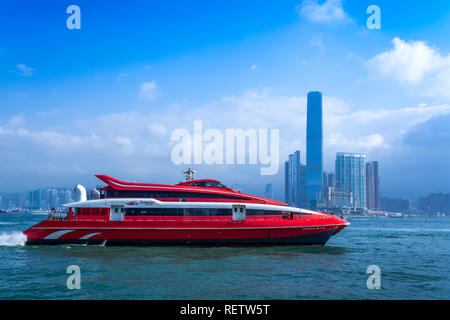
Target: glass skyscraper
<point>351,176</point>
<point>295,181</point>
<point>314,147</point>
<point>372,186</point>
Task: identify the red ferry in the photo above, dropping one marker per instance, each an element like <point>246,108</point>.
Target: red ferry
<point>197,212</point>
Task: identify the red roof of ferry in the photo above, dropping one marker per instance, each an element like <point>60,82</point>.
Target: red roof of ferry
<point>182,186</point>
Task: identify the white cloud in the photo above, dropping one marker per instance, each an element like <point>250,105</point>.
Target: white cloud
<point>363,143</point>
<point>4,131</point>
<point>416,65</point>
<point>148,90</point>
<point>24,70</point>
<point>329,11</point>
<point>123,140</point>
<point>16,120</point>
<point>158,129</point>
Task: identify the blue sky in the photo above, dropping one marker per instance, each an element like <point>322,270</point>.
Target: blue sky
<point>104,99</point>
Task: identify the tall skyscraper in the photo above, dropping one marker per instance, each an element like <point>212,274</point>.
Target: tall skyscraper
<point>295,181</point>
<point>331,180</point>
<point>268,191</point>
<point>372,186</point>
<point>314,147</point>
<point>324,182</point>
<point>351,176</point>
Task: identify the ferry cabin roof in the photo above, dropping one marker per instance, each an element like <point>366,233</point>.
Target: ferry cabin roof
<point>153,203</point>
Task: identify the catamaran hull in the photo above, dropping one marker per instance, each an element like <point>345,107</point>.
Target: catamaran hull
<point>273,236</point>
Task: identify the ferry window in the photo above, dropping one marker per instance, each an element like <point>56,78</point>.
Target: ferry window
<point>171,194</point>
<point>213,184</point>
<point>115,210</point>
<point>177,212</point>
<point>255,212</point>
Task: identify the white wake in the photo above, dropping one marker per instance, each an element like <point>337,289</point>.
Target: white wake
<point>14,238</point>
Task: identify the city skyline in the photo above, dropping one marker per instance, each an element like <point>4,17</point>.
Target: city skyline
<point>106,98</point>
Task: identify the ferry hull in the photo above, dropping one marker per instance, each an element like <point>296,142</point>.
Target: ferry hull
<point>319,238</point>
<point>147,237</point>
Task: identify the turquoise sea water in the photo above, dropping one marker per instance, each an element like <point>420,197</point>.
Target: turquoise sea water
<point>413,255</point>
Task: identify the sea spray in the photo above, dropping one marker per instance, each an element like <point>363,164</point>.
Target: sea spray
<point>14,238</point>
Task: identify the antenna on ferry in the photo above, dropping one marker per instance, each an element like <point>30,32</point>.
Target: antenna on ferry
<point>189,174</point>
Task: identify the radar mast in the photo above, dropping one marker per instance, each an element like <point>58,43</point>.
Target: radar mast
<point>189,174</point>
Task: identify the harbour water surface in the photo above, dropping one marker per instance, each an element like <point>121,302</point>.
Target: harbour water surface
<point>413,255</point>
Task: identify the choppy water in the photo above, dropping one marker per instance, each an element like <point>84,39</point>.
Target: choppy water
<point>413,255</point>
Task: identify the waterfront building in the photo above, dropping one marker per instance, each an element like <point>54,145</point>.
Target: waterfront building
<point>268,191</point>
<point>372,186</point>
<point>14,200</point>
<point>52,198</point>
<point>66,196</point>
<point>435,203</point>
<point>395,205</point>
<point>337,198</point>
<point>34,199</point>
<point>329,181</point>
<point>351,176</point>
<point>295,181</point>
<point>314,147</point>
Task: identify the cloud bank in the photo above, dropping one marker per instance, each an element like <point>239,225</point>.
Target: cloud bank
<point>136,145</point>
<point>416,65</point>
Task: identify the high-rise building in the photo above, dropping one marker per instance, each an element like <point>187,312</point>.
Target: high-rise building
<point>51,198</point>
<point>372,186</point>
<point>268,191</point>
<point>434,203</point>
<point>286,182</point>
<point>324,183</point>
<point>331,180</point>
<point>330,192</point>
<point>34,199</point>
<point>66,196</point>
<point>351,176</point>
<point>314,147</point>
<point>295,181</point>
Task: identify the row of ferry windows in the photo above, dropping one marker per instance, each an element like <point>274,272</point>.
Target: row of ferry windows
<point>192,212</point>
<point>168,194</point>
